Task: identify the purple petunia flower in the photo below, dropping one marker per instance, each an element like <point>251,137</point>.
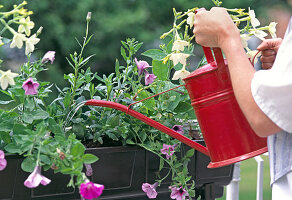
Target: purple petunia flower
<point>30,87</point>
<point>149,78</point>
<point>150,190</point>
<point>35,178</point>
<point>178,128</point>
<point>3,161</point>
<point>168,150</point>
<point>178,193</point>
<point>141,65</point>
<point>90,190</point>
<point>88,170</point>
<point>49,56</point>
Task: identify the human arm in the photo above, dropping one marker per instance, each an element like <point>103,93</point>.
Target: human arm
<point>215,28</point>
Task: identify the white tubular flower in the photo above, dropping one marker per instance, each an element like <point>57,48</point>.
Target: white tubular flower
<point>251,55</point>
<point>17,40</point>
<point>180,74</point>
<point>30,42</point>
<point>191,19</point>
<point>253,20</point>
<point>272,29</point>
<point>7,78</point>
<point>244,40</point>
<point>179,45</point>
<point>179,58</point>
<point>259,34</point>
<point>25,26</point>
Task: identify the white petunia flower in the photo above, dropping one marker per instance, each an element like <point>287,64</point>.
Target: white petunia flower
<point>7,78</point>
<point>30,42</point>
<point>179,58</point>
<point>179,45</point>
<point>191,19</point>
<point>25,26</point>
<point>181,74</point>
<point>18,40</point>
<point>272,29</point>
<point>253,20</point>
<point>244,40</point>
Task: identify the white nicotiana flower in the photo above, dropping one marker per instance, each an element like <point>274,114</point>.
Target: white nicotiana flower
<point>7,78</point>
<point>259,34</point>
<point>18,40</point>
<point>179,58</point>
<point>191,19</point>
<point>179,45</point>
<point>244,40</point>
<point>253,55</point>
<point>25,26</point>
<point>253,20</point>
<point>272,29</point>
<point>30,42</point>
<point>180,74</point>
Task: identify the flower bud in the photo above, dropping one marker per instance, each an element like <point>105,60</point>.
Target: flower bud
<point>88,18</point>
<point>39,31</point>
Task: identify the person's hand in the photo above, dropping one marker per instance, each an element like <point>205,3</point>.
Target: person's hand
<point>269,49</point>
<point>214,28</point>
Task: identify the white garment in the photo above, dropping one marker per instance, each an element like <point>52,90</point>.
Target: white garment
<point>282,188</point>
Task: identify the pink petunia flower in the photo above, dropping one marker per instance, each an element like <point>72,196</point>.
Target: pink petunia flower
<point>149,78</point>
<point>30,87</point>
<point>3,161</point>
<point>90,190</point>
<point>150,190</point>
<point>89,171</point>
<point>49,56</point>
<point>178,128</point>
<point>35,178</point>
<point>141,65</point>
<point>178,193</point>
<point>168,150</point>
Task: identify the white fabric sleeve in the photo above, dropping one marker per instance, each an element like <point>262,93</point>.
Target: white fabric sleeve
<point>272,89</point>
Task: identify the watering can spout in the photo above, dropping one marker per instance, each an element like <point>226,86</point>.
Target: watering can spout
<point>151,122</point>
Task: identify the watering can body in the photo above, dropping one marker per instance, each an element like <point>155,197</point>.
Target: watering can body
<point>226,132</point>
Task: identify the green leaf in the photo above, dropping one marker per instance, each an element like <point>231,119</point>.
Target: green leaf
<point>27,118</point>
<point>5,137</point>
<point>183,107</point>
<point>128,141</point>
<point>155,54</point>
<point>39,114</point>
<point>6,102</point>
<point>89,158</point>
<point>28,164</point>
<point>19,129</point>
<point>54,127</point>
<point>117,68</point>
<point>160,70</point>
<point>67,99</point>
<point>149,103</point>
<point>78,130</point>
<point>12,148</point>
<point>78,150</point>
<point>123,53</point>
<point>6,125</point>
<point>190,153</point>
<point>114,121</point>
<point>45,159</point>
<point>161,164</point>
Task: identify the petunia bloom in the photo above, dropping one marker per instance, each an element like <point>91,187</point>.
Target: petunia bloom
<point>149,78</point>
<point>49,56</point>
<point>17,40</point>
<point>168,150</point>
<point>179,58</point>
<point>178,128</point>
<point>141,65</point>
<point>89,171</point>
<point>3,161</point>
<point>35,178</point>
<point>150,190</point>
<point>30,87</point>
<point>7,78</point>
<point>178,193</point>
<point>90,190</point>
<point>179,45</point>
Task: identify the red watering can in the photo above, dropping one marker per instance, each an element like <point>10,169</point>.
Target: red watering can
<point>227,134</point>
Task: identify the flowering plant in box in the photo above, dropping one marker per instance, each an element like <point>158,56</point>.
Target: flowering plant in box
<point>55,134</point>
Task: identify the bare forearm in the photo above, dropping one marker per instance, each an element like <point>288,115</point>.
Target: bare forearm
<point>242,72</point>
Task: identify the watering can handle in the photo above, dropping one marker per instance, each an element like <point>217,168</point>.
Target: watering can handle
<point>217,52</point>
